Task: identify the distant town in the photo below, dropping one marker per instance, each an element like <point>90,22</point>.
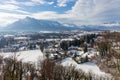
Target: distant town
<point>54,44</point>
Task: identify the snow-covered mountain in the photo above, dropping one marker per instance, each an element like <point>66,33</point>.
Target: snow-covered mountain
<point>31,24</point>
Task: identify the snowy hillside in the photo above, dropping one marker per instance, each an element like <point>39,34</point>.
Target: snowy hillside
<point>26,56</point>
<point>86,67</point>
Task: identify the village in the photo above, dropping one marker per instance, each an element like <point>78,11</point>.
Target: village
<point>57,46</point>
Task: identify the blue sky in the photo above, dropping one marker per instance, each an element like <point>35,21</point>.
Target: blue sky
<point>47,5</point>
<point>79,12</point>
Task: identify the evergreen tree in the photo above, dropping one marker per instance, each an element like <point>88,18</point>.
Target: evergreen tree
<point>85,48</point>
<point>86,59</point>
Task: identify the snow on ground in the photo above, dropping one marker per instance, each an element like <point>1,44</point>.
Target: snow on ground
<point>68,62</point>
<point>26,56</point>
<point>48,32</point>
<point>52,39</point>
<point>90,67</point>
<point>67,39</point>
<point>7,35</point>
<point>86,67</point>
<point>21,38</point>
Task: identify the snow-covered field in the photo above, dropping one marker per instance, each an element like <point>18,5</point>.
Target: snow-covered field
<point>86,67</point>
<point>26,56</point>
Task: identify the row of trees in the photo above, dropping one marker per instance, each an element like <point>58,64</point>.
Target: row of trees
<point>89,38</point>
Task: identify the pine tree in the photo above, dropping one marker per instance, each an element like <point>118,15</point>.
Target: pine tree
<point>86,59</point>
<point>85,48</point>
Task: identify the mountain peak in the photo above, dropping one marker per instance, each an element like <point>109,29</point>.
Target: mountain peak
<point>28,17</point>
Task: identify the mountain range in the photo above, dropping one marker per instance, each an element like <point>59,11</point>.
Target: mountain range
<point>31,24</point>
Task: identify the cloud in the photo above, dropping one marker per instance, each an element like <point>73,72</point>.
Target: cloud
<point>10,11</point>
<point>49,15</point>
<point>39,1</point>
<point>8,18</point>
<point>50,3</point>
<point>9,6</point>
<point>12,8</point>
<point>27,3</point>
<point>35,2</point>
<point>8,2</point>
<point>63,3</point>
<point>83,12</point>
<point>86,12</point>
<point>96,11</point>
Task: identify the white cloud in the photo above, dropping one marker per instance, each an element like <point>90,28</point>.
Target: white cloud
<point>8,7</point>
<point>49,15</point>
<point>27,3</point>
<point>11,11</point>
<point>83,12</point>
<point>35,2</point>
<point>50,3</point>
<point>95,11</point>
<point>12,8</point>
<point>63,3</point>
<point>42,2</point>
<point>39,1</point>
<point>8,18</point>
<point>79,14</point>
<point>8,2</point>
